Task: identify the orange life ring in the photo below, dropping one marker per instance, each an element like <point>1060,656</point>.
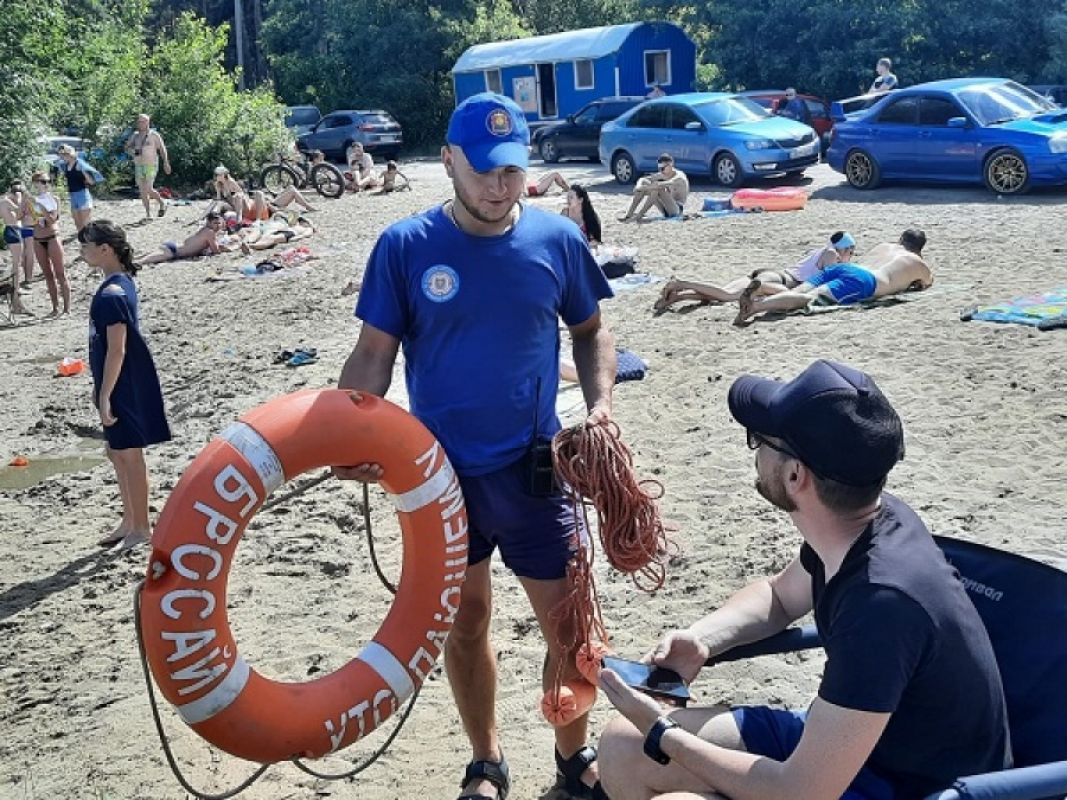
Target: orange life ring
<point>782,198</point>
<point>187,637</point>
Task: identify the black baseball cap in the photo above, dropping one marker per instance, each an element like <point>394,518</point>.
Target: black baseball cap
<point>832,416</point>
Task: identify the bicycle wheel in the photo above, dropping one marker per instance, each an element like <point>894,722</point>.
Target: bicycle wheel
<point>278,177</point>
<point>328,180</point>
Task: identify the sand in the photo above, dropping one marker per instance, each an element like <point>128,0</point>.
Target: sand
<point>983,408</point>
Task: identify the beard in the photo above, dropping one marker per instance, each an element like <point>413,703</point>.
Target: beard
<point>472,207</point>
<point>772,489</point>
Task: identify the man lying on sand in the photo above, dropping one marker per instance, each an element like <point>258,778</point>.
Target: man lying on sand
<point>202,243</point>
<point>891,269</point>
<point>840,248</point>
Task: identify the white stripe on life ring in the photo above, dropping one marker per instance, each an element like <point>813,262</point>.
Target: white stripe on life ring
<point>218,698</point>
<point>258,453</point>
<point>392,671</point>
<point>427,492</point>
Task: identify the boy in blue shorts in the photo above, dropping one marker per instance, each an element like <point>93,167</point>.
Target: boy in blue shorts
<point>473,290</point>
<point>894,268</point>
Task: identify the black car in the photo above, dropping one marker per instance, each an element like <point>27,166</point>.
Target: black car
<point>579,135</point>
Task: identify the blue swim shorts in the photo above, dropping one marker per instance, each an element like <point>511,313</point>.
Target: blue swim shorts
<point>79,201</point>
<point>775,733</point>
<point>534,534</point>
<point>847,283</point>
<point>12,235</point>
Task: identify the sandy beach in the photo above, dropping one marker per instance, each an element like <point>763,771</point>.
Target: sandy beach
<point>983,406</point>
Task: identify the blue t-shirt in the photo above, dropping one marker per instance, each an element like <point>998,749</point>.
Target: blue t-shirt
<point>478,318</point>
<point>848,283</point>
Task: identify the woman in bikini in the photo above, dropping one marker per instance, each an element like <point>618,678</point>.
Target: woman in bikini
<point>43,209</point>
<point>580,209</point>
<point>230,195</point>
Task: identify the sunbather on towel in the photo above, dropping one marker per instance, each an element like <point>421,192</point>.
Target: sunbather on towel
<point>277,230</point>
<point>891,269</point>
<point>839,249</point>
<point>202,243</point>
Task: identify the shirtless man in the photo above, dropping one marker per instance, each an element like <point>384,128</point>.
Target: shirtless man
<point>892,269</point>
<point>10,206</point>
<point>146,146</point>
<point>202,243</point>
<point>839,249</point>
<point>666,190</point>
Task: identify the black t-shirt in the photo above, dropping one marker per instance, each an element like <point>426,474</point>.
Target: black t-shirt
<point>901,636</point>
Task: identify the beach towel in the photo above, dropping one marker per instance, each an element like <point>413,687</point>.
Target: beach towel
<point>1045,311</point>
<point>876,302</point>
<point>632,281</point>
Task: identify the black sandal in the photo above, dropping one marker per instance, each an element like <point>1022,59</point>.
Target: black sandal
<point>496,772</point>
<point>571,770</point>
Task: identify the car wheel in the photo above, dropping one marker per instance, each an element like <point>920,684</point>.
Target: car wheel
<point>549,151</point>
<point>327,180</point>
<point>861,170</point>
<point>1006,173</point>
<point>278,177</point>
<point>727,170</point>
<point>623,168</point>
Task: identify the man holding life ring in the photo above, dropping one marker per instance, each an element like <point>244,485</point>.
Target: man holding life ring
<point>473,290</point>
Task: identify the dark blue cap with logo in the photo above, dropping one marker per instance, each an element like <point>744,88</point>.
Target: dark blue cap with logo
<point>492,131</point>
<point>832,416</point>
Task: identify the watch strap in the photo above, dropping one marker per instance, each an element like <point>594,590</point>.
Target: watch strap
<point>653,738</point>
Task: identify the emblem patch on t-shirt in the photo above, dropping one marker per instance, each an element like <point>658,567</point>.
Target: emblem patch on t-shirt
<point>440,283</point>
<point>498,122</point>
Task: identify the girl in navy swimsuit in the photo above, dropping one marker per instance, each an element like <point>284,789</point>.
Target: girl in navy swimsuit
<point>126,387</point>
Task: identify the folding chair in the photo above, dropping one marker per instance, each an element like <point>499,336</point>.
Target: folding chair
<point>1023,604</point>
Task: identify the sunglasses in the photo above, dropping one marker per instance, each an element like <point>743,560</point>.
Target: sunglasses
<point>755,440</point>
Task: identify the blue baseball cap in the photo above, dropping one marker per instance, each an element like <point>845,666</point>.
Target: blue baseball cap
<point>492,131</point>
<point>832,416</point>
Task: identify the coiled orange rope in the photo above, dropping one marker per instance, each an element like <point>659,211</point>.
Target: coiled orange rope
<point>595,468</point>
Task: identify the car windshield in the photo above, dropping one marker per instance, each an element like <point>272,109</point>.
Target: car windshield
<point>993,103</point>
<point>301,116</point>
<point>730,111</point>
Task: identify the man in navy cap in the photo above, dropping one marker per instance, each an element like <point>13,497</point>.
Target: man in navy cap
<point>474,290</point>
<point>910,696</point>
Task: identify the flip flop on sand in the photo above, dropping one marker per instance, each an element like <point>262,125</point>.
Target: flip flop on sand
<point>129,541</point>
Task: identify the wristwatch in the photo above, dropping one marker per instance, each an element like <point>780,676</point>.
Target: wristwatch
<point>652,740</point>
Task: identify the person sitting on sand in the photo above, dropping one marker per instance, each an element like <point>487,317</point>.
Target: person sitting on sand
<point>260,207</point>
<point>361,169</point>
<point>229,194</point>
<point>579,209</point>
<point>910,697</point>
<point>666,190</point>
<point>542,186</point>
<point>202,243</point>
<point>388,180</point>
<point>892,269</point>
<point>278,230</point>
<point>840,248</point>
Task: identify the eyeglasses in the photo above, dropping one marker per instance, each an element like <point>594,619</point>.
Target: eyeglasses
<point>755,440</point>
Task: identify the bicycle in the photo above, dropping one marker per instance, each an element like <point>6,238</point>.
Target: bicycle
<point>298,171</point>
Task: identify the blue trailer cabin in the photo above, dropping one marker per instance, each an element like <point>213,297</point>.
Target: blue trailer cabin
<point>555,75</point>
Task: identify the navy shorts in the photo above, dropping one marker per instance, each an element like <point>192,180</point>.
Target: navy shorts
<point>12,235</point>
<point>775,733</point>
<point>534,534</point>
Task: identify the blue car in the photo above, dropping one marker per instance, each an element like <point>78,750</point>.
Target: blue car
<point>965,130</point>
<point>725,135</point>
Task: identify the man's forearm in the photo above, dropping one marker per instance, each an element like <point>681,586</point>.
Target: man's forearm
<point>753,613</point>
<point>366,374</point>
<point>595,361</point>
<point>733,773</point>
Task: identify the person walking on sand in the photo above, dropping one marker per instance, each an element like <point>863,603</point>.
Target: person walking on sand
<point>474,290</point>
<point>910,697</point>
<point>80,175</point>
<point>126,388</point>
<point>43,209</point>
<point>10,210</point>
<point>147,148</point>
